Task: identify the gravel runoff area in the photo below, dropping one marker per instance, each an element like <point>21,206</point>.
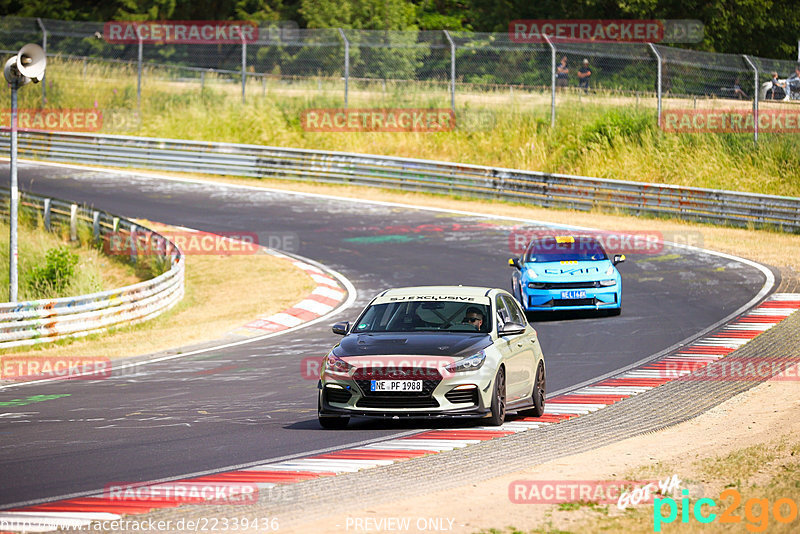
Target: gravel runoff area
<point>648,412</point>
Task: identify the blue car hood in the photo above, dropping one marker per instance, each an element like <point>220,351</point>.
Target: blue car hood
<point>567,271</point>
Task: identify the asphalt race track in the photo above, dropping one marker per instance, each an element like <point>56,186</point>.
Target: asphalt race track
<point>251,403</point>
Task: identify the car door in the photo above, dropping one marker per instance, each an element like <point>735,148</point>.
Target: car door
<point>512,348</point>
<point>525,345</point>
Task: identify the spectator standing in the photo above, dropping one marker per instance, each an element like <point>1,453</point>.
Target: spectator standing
<point>584,74</point>
<point>737,90</point>
<point>793,83</point>
<point>562,73</point>
<point>777,91</point>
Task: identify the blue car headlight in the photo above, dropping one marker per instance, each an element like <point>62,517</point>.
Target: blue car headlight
<point>607,283</point>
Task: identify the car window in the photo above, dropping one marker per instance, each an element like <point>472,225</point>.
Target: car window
<point>515,313</point>
<point>408,316</point>
<point>503,315</point>
<point>580,248</point>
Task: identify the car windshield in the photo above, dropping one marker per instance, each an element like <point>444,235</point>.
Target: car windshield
<point>565,249</point>
<point>420,316</point>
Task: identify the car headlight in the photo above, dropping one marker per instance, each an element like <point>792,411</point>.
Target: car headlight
<point>532,274</point>
<point>334,364</point>
<point>606,283</point>
<point>470,363</point>
<point>610,270</point>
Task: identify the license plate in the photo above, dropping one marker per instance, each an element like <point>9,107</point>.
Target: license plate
<point>396,385</point>
<point>574,294</point>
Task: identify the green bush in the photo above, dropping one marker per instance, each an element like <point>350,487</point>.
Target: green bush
<point>55,274</point>
<point>616,127</point>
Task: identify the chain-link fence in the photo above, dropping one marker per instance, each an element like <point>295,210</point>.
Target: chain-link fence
<point>426,68</point>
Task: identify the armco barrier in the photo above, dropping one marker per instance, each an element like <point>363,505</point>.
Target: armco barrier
<point>542,189</point>
<point>37,321</point>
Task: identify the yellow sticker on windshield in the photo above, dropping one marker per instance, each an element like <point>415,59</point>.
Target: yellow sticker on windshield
<point>569,262</point>
<point>565,239</point>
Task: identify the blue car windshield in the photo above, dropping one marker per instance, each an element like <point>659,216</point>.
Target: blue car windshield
<point>574,249</point>
<point>421,316</point>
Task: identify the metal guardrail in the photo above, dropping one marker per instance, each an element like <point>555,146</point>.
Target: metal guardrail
<point>541,189</point>
<point>38,321</point>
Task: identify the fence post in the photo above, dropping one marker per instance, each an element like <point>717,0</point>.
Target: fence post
<point>244,68</point>
<point>44,47</point>
<point>46,210</point>
<point>452,71</point>
<point>552,81</point>
<point>73,222</point>
<point>755,99</point>
<point>96,225</point>
<point>346,64</point>
<point>658,83</point>
<point>139,76</point>
<point>133,243</point>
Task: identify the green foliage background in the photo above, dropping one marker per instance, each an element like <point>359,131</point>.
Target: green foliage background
<point>766,28</point>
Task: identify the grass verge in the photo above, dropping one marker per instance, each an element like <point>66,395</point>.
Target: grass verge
<point>221,293</point>
<point>604,135</point>
<point>72,268</point>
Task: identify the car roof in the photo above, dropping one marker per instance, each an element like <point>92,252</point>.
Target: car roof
<point>456,291</point>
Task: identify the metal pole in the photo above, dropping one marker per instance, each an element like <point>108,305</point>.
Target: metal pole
<point>658,86</point>
<point>139,78</point>
<point>44,47</point>
<point>755,99</point>
<point>12,250</point>
<point>244,68</point>
<point>452,71</point>
<point>552,81</point>
<point>346,64</point>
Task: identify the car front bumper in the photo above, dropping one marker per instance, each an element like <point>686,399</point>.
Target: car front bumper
<point>551,299</point>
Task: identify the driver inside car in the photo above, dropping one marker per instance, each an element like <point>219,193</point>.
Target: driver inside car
<point>474,317</point>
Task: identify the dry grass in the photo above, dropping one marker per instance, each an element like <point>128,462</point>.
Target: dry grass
<point>499,126</point>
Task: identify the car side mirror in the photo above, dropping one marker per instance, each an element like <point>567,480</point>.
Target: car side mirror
<point>514,262</point>
<point>618,258</point>
<point>511,329</point>
<point>341,328</point>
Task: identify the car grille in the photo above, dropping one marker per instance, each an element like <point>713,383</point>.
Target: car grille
<point>574,302</point>
<point>458,396</point>
<point>405,401</point>
<point>337,395</point>
<point>566,285</point>
<point>430,379</point>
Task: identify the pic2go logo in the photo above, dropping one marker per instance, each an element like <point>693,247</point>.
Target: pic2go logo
<point>756,511</point>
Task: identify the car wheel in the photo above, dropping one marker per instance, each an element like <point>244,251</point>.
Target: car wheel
<point>539,394</point>
<point>331,422</point>
<point>498,415</point>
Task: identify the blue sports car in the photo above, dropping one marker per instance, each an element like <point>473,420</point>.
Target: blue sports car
<point>567,273</point>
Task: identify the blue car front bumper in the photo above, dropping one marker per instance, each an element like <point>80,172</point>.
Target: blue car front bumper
<point>582,299</point>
